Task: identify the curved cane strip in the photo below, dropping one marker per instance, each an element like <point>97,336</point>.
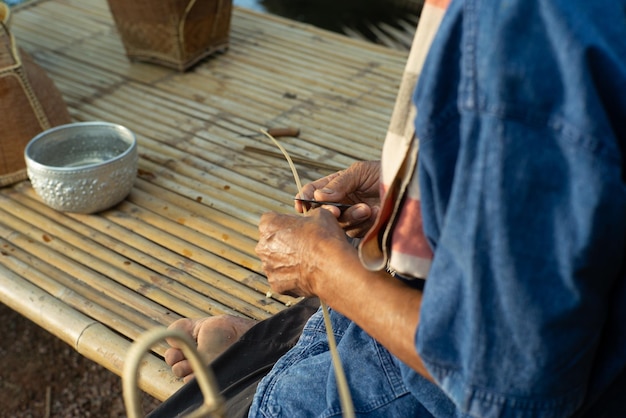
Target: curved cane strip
<point>213,405</point>
<point>345,398</point>
<point>213,402</point>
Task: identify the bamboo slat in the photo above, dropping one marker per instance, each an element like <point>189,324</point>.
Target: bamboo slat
<point>182,242</point>
<point>87,336</point>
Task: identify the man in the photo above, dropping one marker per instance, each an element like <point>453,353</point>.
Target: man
<point>519,190</point>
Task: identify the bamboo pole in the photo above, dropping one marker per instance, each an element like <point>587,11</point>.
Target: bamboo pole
<point>85,335</point>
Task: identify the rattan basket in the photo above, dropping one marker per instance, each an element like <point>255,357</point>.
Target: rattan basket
<point>174,33</point>
<point>29,103</point>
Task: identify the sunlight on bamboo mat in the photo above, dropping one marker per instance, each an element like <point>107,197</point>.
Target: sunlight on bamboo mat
<point>182,243</point>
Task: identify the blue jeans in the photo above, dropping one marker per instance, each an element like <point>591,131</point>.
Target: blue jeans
<point>302,383</point>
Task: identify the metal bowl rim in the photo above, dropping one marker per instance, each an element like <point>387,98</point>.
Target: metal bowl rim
<point>35,165</point>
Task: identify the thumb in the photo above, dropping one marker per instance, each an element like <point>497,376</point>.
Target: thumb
<point>336,189</point>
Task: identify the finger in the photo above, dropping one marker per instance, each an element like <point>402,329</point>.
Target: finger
<point>332,209</point>
<point>355,216</point>
<point>357,224</point>
<point>300,206</point>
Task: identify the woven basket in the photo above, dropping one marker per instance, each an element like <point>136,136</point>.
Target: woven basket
<point>174,33</point>
<point>29,103</point>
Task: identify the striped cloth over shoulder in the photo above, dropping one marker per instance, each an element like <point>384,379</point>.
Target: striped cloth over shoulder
<point>397,242</point>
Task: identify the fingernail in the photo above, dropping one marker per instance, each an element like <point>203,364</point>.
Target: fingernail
<point>327,191</point>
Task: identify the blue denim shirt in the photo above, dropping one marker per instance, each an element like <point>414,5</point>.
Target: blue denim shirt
<point>522,121</point>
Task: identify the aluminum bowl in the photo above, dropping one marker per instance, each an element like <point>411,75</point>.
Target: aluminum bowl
<point>83,167</point>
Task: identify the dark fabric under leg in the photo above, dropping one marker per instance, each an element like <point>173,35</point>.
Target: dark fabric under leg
<point>240,368</point>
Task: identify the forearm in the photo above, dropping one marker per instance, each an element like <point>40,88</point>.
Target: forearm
<point>384,307</point>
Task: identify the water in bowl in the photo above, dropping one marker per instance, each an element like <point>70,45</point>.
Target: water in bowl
<point>88,160</point>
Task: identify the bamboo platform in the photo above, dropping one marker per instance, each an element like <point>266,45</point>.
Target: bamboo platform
<point>182,243</point>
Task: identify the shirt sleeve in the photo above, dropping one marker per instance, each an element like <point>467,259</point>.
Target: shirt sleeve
<point>523,201</point>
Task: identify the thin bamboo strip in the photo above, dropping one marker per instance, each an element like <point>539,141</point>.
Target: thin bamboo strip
<point>403,34</point>
<point>305,81</point>
<point>321,78</point>
<point>182,270</point>
<point>197,209</point>
<point>179,228</point>
<point>305,57</point>
<point>246,284</point>
<point>183,300</point>
<point>194,189</point>
<point>309,153</point>
<point>75,294</point>
<point>245,202</point>
<point>50,248</point>
<point>296,159</point>
<point>384,113</point>
<point>255,22</point>
<point>246,289</point>
<point>322,137</point>
<point>88,337</point>
<point>225,237</point>
<point>340,109</point>
<point>97,10</point>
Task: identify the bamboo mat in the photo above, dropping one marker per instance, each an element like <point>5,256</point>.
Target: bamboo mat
<point>182,243</point>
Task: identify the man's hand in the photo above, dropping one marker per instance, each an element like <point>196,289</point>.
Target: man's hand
<point>290,247</point>
<point>359,186</point>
